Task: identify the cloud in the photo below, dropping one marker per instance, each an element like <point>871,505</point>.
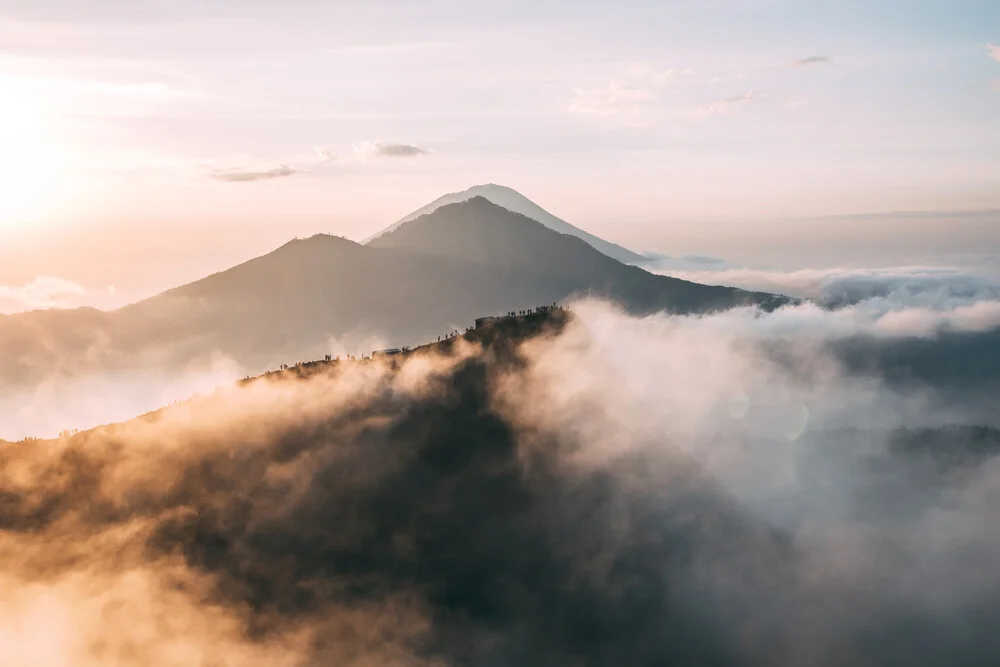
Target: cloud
<point>702,259</point>
<point>321,161</point>
<point>936,287</point>
<point>661,261</point>
<point>681,372</point>
<point>52,292</point>
<point>813,60</point>
<point>115,395</point>
<point>620,490</point>
<point>377,149</point>
<point>281,171</point>
<point>727,106</point>
<point>72,606</point>
<point>921,322</point>
<point>800,439</point>
<point>993,51</point>
<point>323,155</point>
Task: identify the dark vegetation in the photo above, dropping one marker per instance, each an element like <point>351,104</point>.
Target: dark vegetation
<point>496,332</point>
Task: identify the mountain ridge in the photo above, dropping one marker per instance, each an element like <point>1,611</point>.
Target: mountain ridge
<point>514,201</point>
<point>431,275</point>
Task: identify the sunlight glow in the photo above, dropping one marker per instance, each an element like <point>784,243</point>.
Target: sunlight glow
<point>31,177</point>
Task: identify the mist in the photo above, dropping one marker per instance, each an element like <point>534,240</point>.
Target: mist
<point>49,386</point>
<point>719,489</point>
<point>931,285</point>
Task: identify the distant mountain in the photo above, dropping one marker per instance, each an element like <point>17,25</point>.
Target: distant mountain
<point>549,263</point>
<point>429,276</point>
<point>513,200</point>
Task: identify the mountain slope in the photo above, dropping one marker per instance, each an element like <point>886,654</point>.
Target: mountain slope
<point>513,200</point>
<point>419,513</point>
<point>492,236</point>
<point>313,296</point>
<point>390,517</point>
<point>432,275</point>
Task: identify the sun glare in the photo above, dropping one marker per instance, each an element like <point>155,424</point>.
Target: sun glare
<point>30,174</point>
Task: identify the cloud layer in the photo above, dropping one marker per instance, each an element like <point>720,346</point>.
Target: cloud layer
<point>618,491</point>
<point>898,305</point>
<point>889,287</point>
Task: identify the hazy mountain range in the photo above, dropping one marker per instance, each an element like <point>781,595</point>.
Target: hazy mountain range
<point>419,279</point>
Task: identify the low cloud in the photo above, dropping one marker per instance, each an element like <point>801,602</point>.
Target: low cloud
<point>51,292</point>
<point>993,51</point>
<point>659,262</point>
<point>640,491</point>
<point>377,149</point>
<point>63,403</point>
<point>281,171</point>
<point>625,490</point>
<point>673,377</point>
<point>813,60</point>
<point>936,287</point>
<point>869,318</point>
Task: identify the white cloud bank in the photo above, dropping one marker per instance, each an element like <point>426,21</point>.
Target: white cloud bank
<point>765,405</point>
<point>890,287</point>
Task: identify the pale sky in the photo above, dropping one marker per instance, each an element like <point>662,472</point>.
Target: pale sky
<point>147,143</point>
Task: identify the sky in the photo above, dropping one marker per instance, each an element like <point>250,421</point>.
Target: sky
<point>149,143</point>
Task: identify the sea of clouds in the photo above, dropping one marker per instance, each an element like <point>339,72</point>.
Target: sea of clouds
<point>716,489</point>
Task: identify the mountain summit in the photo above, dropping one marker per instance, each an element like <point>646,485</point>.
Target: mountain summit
<point>513,200</point>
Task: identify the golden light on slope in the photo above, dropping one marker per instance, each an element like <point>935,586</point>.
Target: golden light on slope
<point>31,177</point>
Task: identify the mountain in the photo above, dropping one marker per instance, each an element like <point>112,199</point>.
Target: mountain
<point>550,263</point>
<point>389,518</point>
<point>513,200</point>
<point>446,508</point>
<point>429,276</point>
